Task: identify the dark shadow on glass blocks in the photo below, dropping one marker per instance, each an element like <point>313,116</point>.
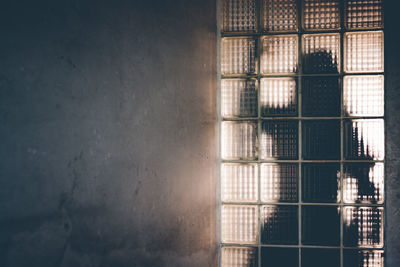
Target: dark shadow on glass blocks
<point>311,257</point>
<point>279,257</point>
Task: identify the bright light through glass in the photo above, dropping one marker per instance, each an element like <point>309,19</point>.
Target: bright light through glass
<point>239,182</point>
<point>278,96</point>
<point>363,51</point>
<point>363,183</point>
<point>238,98</point>
<point>279,54</point>
<point>364,139</point>
<point>239,223</point>
<point>239,140</point>
<point>238,56</point>
<point>279,182</point>
<point>363,95</point>
<point>239,257</point>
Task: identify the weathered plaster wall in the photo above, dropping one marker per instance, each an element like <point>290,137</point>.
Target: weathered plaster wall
<point>392,113</point>
<point>108,129</point>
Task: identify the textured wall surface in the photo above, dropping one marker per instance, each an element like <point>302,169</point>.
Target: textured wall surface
<point>392,114</point>
<point>108,129</point>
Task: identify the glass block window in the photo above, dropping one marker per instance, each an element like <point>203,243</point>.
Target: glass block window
<point>239,256</point>
<point>279,54</point>
<point>238,56</point>
<point>364,14</point>
<point>278,97</point>
<point>321,15</point>
<point>321,53</point>
<point>239,98</point>
<point>279,15</point>
<point>239,15</point>
<point>302,138</point>
<point>363,52</point>
<point>279,182</point>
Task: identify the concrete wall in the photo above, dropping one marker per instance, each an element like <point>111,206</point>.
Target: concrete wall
<point>392,114</point>
<point>108,129</point>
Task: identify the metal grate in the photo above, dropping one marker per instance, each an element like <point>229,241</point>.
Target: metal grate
<point>302,133</point>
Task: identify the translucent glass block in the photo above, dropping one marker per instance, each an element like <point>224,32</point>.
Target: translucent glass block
<point>279,54</point>
<point>278,96</point>
<point>364,14</point>
<point>321,182</point>
<point>321,15</point>
<point>363,95</point>
<point>239,16</point>
<point>238,98</point>
<point>363,258</point>
<point>317,257</point>
<point>279,140</point>
<point>363,51</point>
<point>239,140</point>
<point>239,257</point>
<point>320,225</point>
<point>238,56</point>
<point>321,96</point>
<point>239,224</point>
<point>271,257</point>
<point>363,183</point>
<point>239,182</point>
<point>280,15</point>
<point>363,227</point>
<point>364,139</point>
<point>321,139</point>
<point>321,53</point>
<point>279,182</point>
<point>279,225</point>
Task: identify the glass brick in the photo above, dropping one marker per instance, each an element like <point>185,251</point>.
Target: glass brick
<point>320,225</point>
<point>283,257</point>
<point>278,96</point>
<point>364,139</point>
<point>239,182</point>
<point>363,51</point>
<point>239,256</point>
<point>364,14</point>
<point>321,53</point>
<point>238,98</point>
<point>279,140</point>
<point>239,16</point>
<point>321,182</point>
<point>239,224</point>
<point>280,15</point>
<point>363,227</point>
<point>239,140</point>
<point>363,182</point>
<point>279,54</point>
<point>321,139</point>
<point>321,15</point>
<point>321,96</point>
<point>317,257</point>
<point>238,56</point>
<point>279,182</point>
<point>362,258</point>
<point>279,225</point>
<point>363,95</point>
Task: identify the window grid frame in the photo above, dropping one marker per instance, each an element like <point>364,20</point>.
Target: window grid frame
<point>258,35</point>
